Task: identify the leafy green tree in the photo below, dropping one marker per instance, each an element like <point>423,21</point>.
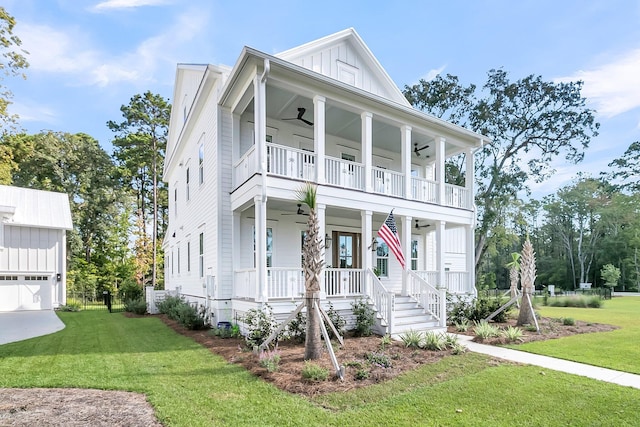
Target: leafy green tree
<point>12,64</point>
<point>530,122</point>
<point>139,149</point>
<point>627,169</point>
<point>610,274</point>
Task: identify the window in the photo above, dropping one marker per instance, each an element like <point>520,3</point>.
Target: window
<point>414,254</point>
<point>382,258</point>
<point>269,247</point>
<point>178,258</point>
<point>201,256</point>
<point>201,163</point>
<point>172,261</point>
<point>187,186</point>
<point>188,256</point>
<point>175,200</point>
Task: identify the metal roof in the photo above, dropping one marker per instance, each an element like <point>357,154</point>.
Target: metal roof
<point>34,208</point>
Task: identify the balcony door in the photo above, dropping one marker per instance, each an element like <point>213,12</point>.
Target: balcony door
<point>346,250</point>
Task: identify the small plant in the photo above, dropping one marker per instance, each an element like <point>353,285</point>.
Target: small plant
<point>70,306</point>
<point>137,306</point>
<point>260,324</point>
<point>412,339</point>
<point>484,330</point>
<point>361,374</point>
<point>297,327</point>
<point>379,359</point>
<point>270,359</point>
<point>512,334</point>
<point>338,321</point>
<point>568,321</point>
<point>385,341</point>
<point>458,348</point>
<point>365,317</point>
<point>462,325</point>
<point>434,341</point>
<point>314,372</point>
<point>354,364</point>
<point>450,340</point>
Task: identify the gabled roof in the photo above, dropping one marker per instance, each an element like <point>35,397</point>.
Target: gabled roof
<point>34,208</point>
<point>321,56</point>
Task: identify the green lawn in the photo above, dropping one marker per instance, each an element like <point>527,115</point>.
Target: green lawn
<point>619,349</point>
<point>189,386</point>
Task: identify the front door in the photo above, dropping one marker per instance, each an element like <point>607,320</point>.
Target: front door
<point>346,253</point>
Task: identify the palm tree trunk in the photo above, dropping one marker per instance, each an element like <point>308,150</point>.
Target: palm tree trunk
<point>313,341</point>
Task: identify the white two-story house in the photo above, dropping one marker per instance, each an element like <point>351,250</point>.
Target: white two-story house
<point>243,140</point>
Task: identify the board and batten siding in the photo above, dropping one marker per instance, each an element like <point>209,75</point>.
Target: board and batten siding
<point>31,250</point>
<point>224,241</point>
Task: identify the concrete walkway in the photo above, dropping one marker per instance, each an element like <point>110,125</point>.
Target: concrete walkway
<point>22,325</point>
<point>595,372</point>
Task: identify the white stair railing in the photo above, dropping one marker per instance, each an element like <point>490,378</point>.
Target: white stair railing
<point>383,300</point>
<point>432,300</point>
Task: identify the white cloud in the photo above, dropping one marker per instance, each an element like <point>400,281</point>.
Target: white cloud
<point>614,87</point>
<point>432,74</point>
<point>126,4</point>
<point>64,52</point>
<point>33,111</point>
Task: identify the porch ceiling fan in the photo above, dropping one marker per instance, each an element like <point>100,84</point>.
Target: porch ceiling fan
<point>418,150</point>
<point>418,226</point>
<point>300,211</point>
<point>301,112</point>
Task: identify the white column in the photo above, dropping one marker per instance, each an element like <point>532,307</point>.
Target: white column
<point>260,224</point>
<point>366,252</point>
<point>260,122</point>
<point>319,140</point>
<point>440,158</point>
<point>321,212</point>
<point>406,250</point>
<point>367,149</point>
<point>236,227</point>
<point>471,259</point>
<point>440,232</point>
<point>469,176</point>
<point>405,151</point>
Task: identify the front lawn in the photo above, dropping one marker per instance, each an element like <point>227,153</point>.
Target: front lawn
<point>619,349</point>
<point>189,386</point>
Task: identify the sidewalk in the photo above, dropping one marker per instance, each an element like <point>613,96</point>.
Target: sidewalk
<point>22,325</point>
<point>595,372</point>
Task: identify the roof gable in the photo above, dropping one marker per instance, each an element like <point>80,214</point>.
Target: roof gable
<point>345,57</point>
<point>34,208</point>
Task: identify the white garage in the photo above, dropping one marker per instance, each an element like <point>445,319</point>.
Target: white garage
<point>33,227</point>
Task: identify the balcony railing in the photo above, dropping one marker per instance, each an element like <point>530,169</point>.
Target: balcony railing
<point>301,164</point>
<point>456,282</point>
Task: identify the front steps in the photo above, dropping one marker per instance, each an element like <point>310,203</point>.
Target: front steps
<point>408,315</point>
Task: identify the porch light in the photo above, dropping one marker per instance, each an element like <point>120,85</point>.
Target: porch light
<point>374,245</point>
<point>327,241</point>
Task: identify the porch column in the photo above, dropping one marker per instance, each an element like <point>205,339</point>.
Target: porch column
<point>469,176</point>
<point>440,158</point>
<point>367,237</point>
<point>405,152</point>
<point>471,260</point>
<point>440,231</point>
<point>321,210</point>
<point>367,149</point>
<point>235,246</point>
<point>260,124</point>
<point>406,249</point>
<point>260,224</point>
<point>319,139</point>
<point>235,137</point>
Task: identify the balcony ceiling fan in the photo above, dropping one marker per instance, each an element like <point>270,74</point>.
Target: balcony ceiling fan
<point>300,211</point>
<point>418,150</point>
<point>418,226</point>
<point>301,112</point>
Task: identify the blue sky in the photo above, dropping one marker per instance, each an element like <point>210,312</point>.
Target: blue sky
<point>89,57</point>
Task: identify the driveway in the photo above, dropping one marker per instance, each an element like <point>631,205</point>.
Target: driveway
<point>22,325</point>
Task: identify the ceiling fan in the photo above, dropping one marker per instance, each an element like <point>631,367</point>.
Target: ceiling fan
<point>300,211</point>
<point>301,112</point>
<point>418,226</point>
<point>418,150</point>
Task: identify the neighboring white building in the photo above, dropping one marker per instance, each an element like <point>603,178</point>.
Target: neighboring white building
<point>33,247</point>
<point>243,140</point>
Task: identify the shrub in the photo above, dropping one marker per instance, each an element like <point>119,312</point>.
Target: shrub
<point>579,301</point>
<point>130,290</point>
<point>270,360</point>
<point>70,306</point>
<point>189,317</point>
<point>412,339</point>
<point>461,310</point>
<point>433,341</point>
<point>361,374</point>
<point>338,321</point>
<point>365,318</point>
<point>260,324</point>
<point>512,334</point>
<point>313,372</point>
<point>379,359</point>
<point>297,327</point>
<point>462,326</point>
<point>137,306</point>
<point>169,304</point>
<point>484,330</point>
<point>568,321</point>
<point>458,348</point>
<point>450,340</point>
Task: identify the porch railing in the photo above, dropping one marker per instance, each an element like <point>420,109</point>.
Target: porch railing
<point>456,282</point>
<point>285,283</point>
<point>424,190</point>
<point>457,197</point>
<point>245,167</point>
<point>343,282</point>
<point>383,300</point>
<point>388,182</point>
<point>344,173</point>
<point>291,162</point>
<point>244,282</point>
<point>432,300</point>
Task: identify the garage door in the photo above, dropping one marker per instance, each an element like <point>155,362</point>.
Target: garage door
<point>25,293</point>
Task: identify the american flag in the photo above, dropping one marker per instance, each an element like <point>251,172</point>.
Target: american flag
<point>389,233</point>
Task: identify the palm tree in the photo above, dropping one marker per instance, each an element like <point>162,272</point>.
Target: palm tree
<point>527,277</point>
<point>514,273</point>
<point>312,265</point>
